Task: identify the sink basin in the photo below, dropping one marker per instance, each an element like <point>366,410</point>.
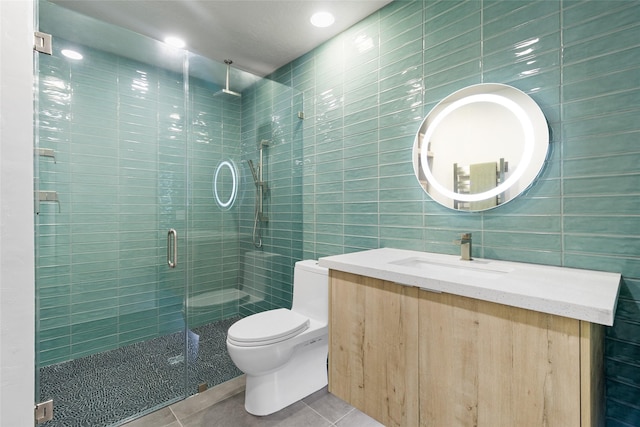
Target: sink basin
<point>477,268</point>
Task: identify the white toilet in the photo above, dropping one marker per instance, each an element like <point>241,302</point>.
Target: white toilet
<point>284,352</point>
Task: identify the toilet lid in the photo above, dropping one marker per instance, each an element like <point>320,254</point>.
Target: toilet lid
<point>267,327</point>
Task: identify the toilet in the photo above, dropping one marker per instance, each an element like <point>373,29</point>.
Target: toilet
<point>284,352</point>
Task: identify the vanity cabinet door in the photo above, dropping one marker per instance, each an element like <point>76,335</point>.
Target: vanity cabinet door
<point>373,349</point>
<point>486,364</point>
<point>409,357</point>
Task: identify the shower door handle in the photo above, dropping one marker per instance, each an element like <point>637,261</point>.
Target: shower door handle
<point>172,248</point>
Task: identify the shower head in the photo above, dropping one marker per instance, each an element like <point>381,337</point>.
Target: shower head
<point>226,89</point>
<point>230,92</point>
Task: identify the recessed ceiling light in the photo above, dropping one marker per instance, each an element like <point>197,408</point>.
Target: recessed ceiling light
<point>322,19</point>
<point>175,41</point>
<point>71,54</point>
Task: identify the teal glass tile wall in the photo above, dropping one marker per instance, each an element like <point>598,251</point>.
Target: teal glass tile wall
<point>270,115</point>
<point>117,128</point>
<point>367,89</point>
<point>125,137</point>
<point>212,256</point>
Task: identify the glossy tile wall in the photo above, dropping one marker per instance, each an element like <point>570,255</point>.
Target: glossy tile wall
<point>212,250</point>
<point>118,129</point>
<point>270,114</point>
<point>136,150</point>
<point>367,90</point>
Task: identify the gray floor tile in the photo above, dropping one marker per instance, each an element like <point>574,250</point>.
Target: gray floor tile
<point>161,418</point>
<point>305,416</point>
<point>355,418</point>
<point>231,412</point>
<point>328,405</point>
<point>223,406</point>
<point>210,397</point>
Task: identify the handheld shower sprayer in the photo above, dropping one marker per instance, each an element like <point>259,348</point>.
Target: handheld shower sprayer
<point>256,180</point>
<point>257,238</point>
<point>261,189</point>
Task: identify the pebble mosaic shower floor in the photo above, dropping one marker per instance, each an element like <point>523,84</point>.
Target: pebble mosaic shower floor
<point>107,388</point>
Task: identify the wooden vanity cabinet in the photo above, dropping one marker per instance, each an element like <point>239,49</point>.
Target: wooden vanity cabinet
<point>373,347</point>
<point>409,357</point>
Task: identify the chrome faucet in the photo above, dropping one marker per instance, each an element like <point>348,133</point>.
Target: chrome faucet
<point>465,247</point>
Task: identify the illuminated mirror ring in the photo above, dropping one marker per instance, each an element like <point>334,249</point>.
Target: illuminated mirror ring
<point>469,131</point>
<point>226,204</point>
<point>527,127</point>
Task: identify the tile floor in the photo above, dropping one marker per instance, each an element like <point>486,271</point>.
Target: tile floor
<point>223,406</point>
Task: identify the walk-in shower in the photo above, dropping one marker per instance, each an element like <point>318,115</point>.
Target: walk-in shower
<point>129,140</point>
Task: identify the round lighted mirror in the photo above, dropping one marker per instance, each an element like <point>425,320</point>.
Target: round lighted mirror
<point>480,147</point>
<point>225,184</point>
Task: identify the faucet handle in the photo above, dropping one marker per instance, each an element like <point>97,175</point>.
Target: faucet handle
<point>464,238</point>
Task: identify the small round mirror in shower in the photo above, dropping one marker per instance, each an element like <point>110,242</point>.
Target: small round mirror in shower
<point>225,184</point>
<point>480,147</point>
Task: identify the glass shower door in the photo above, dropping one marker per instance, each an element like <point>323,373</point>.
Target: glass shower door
<point>111,184</point>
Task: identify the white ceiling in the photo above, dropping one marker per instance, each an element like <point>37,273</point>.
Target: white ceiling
<point>258,35</point>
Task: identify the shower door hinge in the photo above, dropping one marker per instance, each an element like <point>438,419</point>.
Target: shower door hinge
<point>45,196</point>
<point>47,152</point>
<point>42,43</point>
<point>43,411</point>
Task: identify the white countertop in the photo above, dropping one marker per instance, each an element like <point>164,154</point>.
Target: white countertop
<point>579,294</point>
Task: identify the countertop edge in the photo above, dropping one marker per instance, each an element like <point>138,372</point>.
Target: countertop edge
<point>602,314</point>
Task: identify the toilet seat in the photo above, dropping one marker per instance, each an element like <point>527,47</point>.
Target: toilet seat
<point>268,327</point>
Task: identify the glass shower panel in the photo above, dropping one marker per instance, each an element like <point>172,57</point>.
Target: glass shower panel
<point>111,150</point>
<point>272,138</point>
<point>213,241</point>
<point>229,276</point>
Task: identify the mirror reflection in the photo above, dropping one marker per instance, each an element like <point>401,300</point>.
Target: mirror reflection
<point>480,147</point>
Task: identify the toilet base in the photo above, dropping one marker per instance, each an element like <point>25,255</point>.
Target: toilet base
<point>304,374</point>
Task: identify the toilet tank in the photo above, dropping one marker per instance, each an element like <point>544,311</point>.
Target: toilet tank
<point>311,290</point>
